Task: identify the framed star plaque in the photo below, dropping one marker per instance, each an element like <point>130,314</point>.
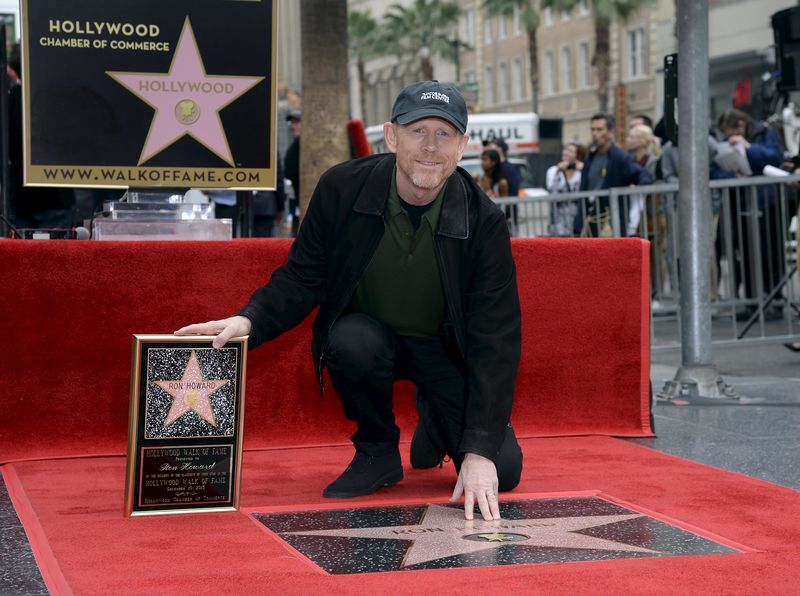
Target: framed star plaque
<point>185,425</point>
<point>148,93</point>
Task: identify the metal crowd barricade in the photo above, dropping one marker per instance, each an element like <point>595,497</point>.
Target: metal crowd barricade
<point>754,282</point>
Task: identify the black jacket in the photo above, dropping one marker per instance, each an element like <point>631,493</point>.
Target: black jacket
<point>336,241</point>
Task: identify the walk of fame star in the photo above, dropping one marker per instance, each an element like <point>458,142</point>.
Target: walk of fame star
<point>191,393</point>
<point>441,534</point>
<point>187,101</point>
<point>544,530</point>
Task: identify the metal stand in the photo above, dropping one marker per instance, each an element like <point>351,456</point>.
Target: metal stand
<point>767,301</point>
<point>698,376</point>
<point>697,382</point>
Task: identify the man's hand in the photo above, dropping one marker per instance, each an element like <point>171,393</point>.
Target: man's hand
<point>478,481</point>
<point>224,329</point>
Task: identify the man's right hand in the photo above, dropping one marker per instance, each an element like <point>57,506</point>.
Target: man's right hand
<point>224,329</point>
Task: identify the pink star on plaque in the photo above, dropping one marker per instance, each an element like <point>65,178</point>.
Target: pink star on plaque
<point>191,392</point>
<point>187,101</point>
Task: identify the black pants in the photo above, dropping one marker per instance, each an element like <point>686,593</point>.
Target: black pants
<point>365,358</point>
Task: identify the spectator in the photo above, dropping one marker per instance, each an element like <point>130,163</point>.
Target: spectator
<point>564,177</point>
<point>291,163</point>
<point>761,146</point>
<point>640,119</point>
<point>510,172</point>
<point>668,209</point>
<point>492,181</point>
<point>607,166</point>
<point>645,149</point>
<point>268,207</point>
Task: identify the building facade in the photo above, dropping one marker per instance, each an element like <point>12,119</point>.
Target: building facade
<point>493,61</point>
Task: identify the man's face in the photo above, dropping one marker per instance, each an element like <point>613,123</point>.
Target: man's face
<point>427,152</point>
<point>601,134</point>
<point>294,126</point>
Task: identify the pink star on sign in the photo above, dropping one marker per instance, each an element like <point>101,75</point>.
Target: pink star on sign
<point>187,101</point>
<point>191,392</point>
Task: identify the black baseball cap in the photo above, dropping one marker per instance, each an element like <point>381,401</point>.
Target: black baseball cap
<point>431,99</point>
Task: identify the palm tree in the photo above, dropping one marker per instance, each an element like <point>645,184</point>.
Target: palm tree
<point>420,30</point>
<point>603,11</point>
<point>364,42</point>
<point>325,91</point>
<point>530,17</point>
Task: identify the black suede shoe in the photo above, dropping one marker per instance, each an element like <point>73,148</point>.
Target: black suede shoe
<point>365,475</point>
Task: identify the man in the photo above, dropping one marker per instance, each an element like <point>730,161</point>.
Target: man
<point>639,119</point>
<point>291,164</point>
<point>410,264</point>
<point>754,145</point>
<point>607,166</point>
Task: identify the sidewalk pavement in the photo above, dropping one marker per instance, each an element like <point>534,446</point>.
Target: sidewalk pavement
<point>761,439</point>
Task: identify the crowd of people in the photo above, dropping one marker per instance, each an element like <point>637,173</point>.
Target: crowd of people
<point>739,147</point>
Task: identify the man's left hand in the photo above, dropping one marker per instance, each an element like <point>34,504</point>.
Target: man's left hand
<point>478,482</point>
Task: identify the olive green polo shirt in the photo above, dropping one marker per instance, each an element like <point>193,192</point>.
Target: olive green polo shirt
<point>402,287</point>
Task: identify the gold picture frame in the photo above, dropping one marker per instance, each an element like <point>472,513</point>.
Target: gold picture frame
<point>185,425</point>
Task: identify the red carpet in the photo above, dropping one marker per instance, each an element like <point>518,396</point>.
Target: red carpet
<point>585,340</point>
<point>72,510</point>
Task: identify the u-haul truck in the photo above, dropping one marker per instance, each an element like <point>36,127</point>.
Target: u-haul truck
<point>519,129</point>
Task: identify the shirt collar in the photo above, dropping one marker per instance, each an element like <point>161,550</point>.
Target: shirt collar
<point>394,207</point>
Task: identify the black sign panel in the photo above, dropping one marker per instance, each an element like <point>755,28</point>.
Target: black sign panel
<point>150,93</point>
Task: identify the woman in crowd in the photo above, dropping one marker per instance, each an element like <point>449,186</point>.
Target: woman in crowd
<point>563,177</point>
<point>492,181</point>
<point>645,148</point>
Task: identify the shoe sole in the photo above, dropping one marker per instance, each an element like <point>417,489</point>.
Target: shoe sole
<point>387,480</point>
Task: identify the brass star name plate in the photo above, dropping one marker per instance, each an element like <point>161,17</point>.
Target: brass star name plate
<point>185,425</point>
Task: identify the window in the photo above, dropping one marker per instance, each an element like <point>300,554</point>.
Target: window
<point>517,20</point>
<point>564,16</point>
<point>548,17</point>
<point>636,53</point>
<point>488,83</point>
<point>501,27</point>
<point>549,72</point>
<point>469,27</point>
<point>584,65</point>
<point>502,83</point>
<point>583,7</point>
<point>566,68</point>
<point>487,30</point>
<point>517,84</point>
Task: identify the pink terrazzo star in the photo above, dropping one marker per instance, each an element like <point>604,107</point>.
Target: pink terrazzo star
<point>191,392</point>
<point>187,101</point>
